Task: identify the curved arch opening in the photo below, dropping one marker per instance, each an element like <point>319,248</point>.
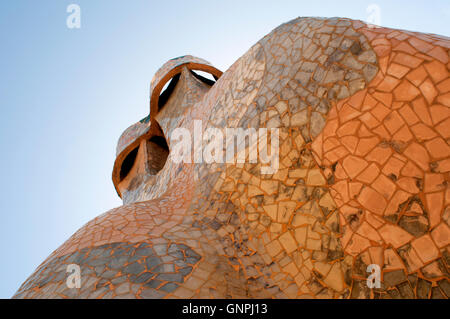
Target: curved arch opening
<point>128,163</point>
<point>157,154</point>
<point>205,77</point>
<point>169,87</point>
<point>167,91</point>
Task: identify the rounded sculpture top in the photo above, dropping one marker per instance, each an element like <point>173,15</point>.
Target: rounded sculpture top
<point>172,68</point>
<point>132,134</point>
<point>147,127</point>
<point>128,141</point>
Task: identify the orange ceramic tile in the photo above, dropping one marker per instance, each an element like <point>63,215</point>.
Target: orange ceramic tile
<point>428,91</point>
<point>438,148</point>
<point>425,248</point>
<point>407,60</point>
<point>405,47</point>
<point>397,70</point>
<point>379,154</point>
<point>408,115</point>
<point>423,132</point>
<point>394,235</point>
<point>440,235</point>
<point>443,128</point>
<point>434,182</point>
<point>369,174</point>
<point>421,108</point>
<point>392,168</point>
<point>354,165</point>
<point>417,76</point>
<point>418,154</point>
<point>439,54</point>
<point>437,71</point>
<point>406,91</point>
<point>372,200</point>
<point>384,186</point>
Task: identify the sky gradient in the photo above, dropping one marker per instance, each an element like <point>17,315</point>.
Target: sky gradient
<point>66,95</point>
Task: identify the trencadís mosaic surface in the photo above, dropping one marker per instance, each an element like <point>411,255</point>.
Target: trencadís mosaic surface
<point>363,178</point>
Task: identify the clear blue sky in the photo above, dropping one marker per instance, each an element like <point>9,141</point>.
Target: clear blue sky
<point>66,95</point>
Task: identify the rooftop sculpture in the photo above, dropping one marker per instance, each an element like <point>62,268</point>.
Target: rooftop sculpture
<point>362,177</point>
